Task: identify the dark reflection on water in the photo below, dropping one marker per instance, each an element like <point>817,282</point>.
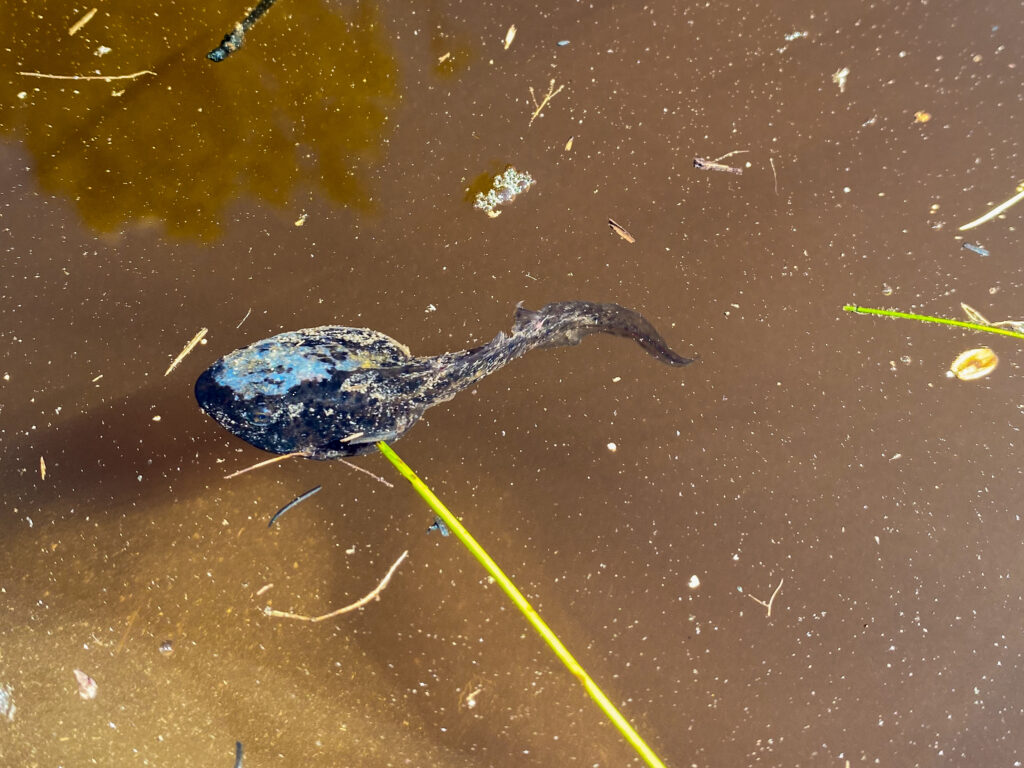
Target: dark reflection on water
<point>181,146</point>
<point>807,444</point>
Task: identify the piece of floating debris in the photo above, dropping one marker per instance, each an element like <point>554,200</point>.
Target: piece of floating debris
<point>711,165</point>
<point>621,231</point>
<point>976,248</point>
<point>504,189</point>
<point>7,708</point>
<point>238,754</point>
<point>233,40</point>
<point>297,500</point>
<point>197,339</point>
<point>562,43</point>
<point>510,36</point>
<point>973,364</point>
<point>439,526</point>
<point>77,26</point>
<point>997,210</point>
<point>330,392</point>
<point>87,687</point>
<point>839,78</point>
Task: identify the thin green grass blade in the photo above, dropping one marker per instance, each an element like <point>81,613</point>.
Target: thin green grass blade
<point>930,319</point>
<point>527,610</point>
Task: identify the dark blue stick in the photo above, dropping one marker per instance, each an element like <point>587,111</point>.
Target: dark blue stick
<point>292,503</point>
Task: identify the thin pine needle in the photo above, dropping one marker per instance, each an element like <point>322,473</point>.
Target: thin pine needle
<point>997,210</point>
<point>132,76</point>
<point>268,611</point>
<point>188,348</point>
<point>263,464</point>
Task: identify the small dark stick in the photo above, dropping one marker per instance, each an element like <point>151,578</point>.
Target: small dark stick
<point>238,754</point>
<point>292,503</point>
<point>233,40</point>
<point>711,165</point>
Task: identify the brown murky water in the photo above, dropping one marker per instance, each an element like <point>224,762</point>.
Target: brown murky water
<point>807,446</point>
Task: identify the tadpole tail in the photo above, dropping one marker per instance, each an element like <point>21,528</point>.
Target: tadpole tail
<point>566,323</point>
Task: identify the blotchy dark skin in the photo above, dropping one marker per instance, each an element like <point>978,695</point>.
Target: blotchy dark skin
<point>332,391</point>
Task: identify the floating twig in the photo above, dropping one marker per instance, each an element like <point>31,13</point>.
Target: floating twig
<point>264,464</point>
<point>976,317</point>
<point>233,40</point>
<point>292,503</point>
<point>774,175</point>
<point>997,210</point>
<point>127,629</point>
<point>930,319</point>
<point>712,165</point>
<point>976,248</point>
<point>42,468</point>
<point>82,22</point>
<point>547,97</point>
<point>132,76</point>
<point>771,600</point>
<point>188,348</point>
<point>238,754</point>
<point>510,36</point>
<point>357,468</point>
<point>244,318</point>
<point>268,611</point>
<point>730,154</point>
<point>620,230</point>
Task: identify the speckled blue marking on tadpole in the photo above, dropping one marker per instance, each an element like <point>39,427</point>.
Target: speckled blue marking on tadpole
<point>332,391</point>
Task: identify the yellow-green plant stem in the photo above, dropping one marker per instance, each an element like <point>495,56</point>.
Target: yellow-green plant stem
<point>527,610</point>
<point>930,319</point>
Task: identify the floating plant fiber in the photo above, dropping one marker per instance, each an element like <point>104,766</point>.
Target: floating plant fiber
<point>460,532</point>
<point>930,319</point>
<point>331,392</point>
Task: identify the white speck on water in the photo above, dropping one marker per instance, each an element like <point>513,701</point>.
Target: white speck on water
<point>694,582</point>
<point>613,447</point>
